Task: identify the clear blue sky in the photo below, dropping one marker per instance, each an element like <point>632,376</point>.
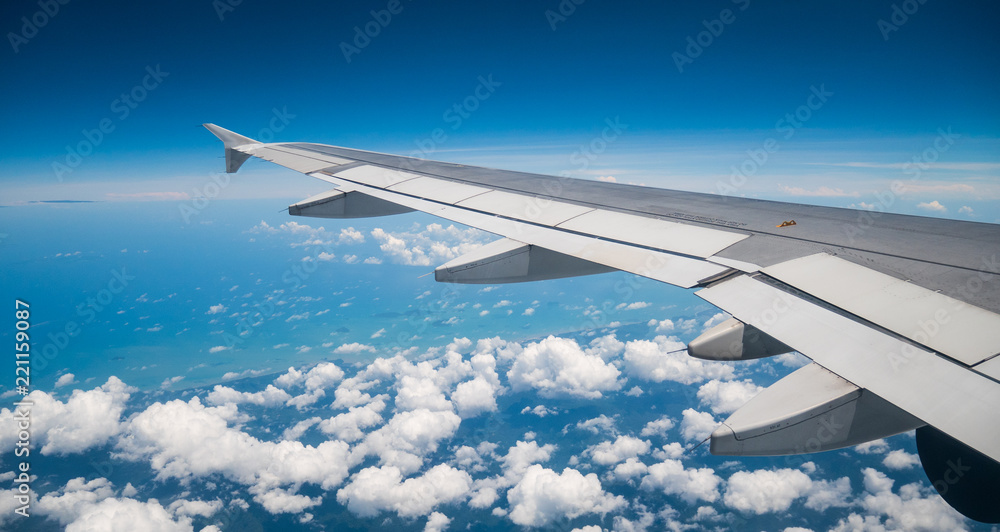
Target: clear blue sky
<point>892,86</point>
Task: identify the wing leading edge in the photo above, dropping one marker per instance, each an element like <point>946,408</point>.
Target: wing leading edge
<point>897,339</point>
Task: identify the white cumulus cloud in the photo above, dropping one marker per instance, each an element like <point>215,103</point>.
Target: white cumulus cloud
<point>559,367</point>
<point>543,496</point>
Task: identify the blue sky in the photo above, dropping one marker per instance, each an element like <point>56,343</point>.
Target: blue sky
<point>559,78</point>
<point>572,382</point>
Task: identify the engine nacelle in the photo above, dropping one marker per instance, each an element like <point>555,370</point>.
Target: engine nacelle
<point>965,478</point>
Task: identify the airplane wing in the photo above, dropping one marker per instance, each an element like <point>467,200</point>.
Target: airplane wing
<point>900,315</point>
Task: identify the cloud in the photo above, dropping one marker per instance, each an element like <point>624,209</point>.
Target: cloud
<point>433,245</point>
<point>664,326</point>
<point>914,507</point>
<point>913,188</point>
<point>965,209</point>
<point>691,485</point>
<point>764,491</point>
<point>543,496</point>
<point>65,380</point>
<point>727,397</point>
<point>349,426</point>
<point>872,447</point>
<point>269,396</point>
<point>437,522</point>
<point>172,437</point>
<point>597,425</point>
<point>347,395</point>
<point>632,306</point>
<point>624,447</point>
<point>629,469</point>
<point>934,206</point>
<point>900,459</point>
<point>473,459</point>
<point>219,348</point>
<point>148,196</point>
<point>68,502</point>
<point>658,427</point>
<point>170,381</point>
<point>353,348</point>
<point>558,367</point>
<point>81,505</point>
<point>297,430</point>
<point>474,397</point>
<point>128,514</point>
<point>87,419</point>
<point>969,166</point>
<point>539,410</point>
<point>397,419</point>
<point>377,489</point>
<point>716,319</point>
<point>350,235</point>
<point>216,309</point>
<point>233,375</point>
<point>320,377</point>
<point>520,457</point>
<point>697,425</point>
<point>413,392</point>
<point>408,437</point>
<point>666,359</point>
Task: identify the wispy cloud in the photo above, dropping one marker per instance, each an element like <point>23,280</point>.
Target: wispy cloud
<point>148,196</point>
<point>821,192</point>
<point>914,188</point>
<point>966,167</point>
<point>933,206</point>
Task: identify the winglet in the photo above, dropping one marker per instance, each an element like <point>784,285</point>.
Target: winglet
<point>234,157</point>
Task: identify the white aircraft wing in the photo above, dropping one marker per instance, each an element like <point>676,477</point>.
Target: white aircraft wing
<point>900,315</point>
